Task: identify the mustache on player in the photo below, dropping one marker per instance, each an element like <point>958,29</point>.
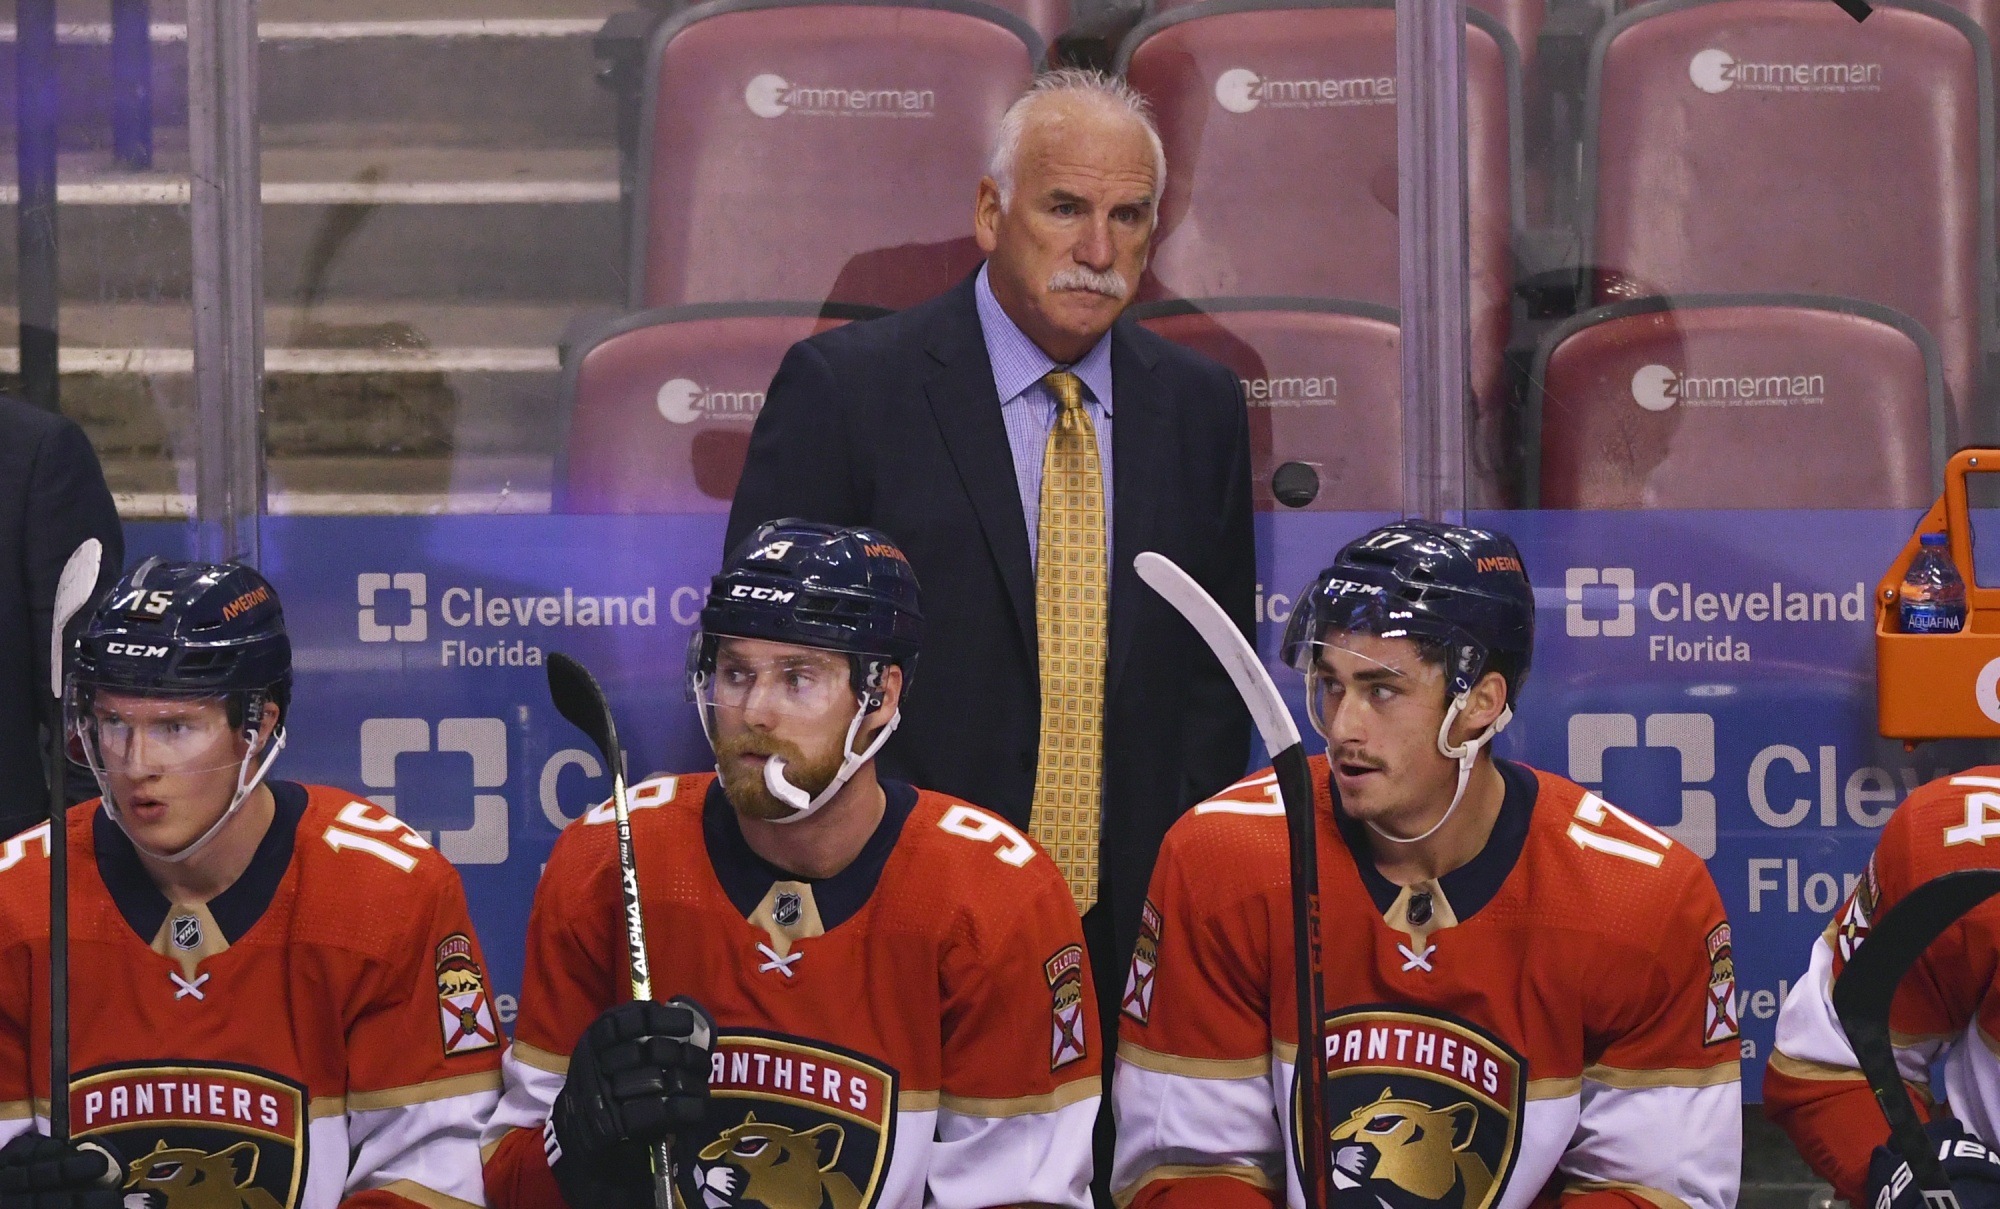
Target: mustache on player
<point>745,785</point>
<point>1110,283</point>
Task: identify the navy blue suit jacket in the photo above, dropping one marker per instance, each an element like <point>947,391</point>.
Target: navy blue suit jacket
<point>895,423</point>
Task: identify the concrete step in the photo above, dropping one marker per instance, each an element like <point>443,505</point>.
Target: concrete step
<point>526,224</point>
<point>412,385</point>
<point>433,72</point>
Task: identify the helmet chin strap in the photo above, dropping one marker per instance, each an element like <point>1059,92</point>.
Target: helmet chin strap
<point>805,806</point>
<point>247,781</point>
<point>1466,753</point>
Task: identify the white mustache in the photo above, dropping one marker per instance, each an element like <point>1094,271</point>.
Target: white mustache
<point>1110,283</point>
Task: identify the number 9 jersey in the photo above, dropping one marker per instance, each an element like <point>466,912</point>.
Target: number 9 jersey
<point>319,1034</point>
<point>916,1030</point>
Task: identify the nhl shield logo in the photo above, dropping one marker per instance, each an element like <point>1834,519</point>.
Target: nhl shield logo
<point>187,932</point>
<point>1423,1108</point>
<point>196,1137</point>
<point>793,1124</point>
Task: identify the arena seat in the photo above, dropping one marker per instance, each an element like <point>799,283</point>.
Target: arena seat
<point>1523,20</point>
<point>1280,126</point>
<point>784,138</point>
<point>1777,145</point>
<point>660,404</point>
<point>1323,381</point>
<point>1737,401</point>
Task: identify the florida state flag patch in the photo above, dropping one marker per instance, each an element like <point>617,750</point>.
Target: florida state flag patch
<point>464,1011</point>
<point>1065,975</point>
<point>1138,1000</point>
<point>1719,1018</point>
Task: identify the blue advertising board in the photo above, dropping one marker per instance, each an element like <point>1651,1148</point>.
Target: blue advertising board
<point>1710,672</point>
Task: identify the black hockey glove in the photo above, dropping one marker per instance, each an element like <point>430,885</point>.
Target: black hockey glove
<point>1974,1171</point>
<point>38,1172</point>
<point>639,1075</point>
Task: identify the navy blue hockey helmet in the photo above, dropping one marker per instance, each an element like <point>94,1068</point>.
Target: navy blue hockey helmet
<point>849,590</point>
<point>184,628</point>
<point>1463,590</point>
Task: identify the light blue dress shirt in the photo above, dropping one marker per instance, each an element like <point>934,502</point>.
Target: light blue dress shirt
<point>1028,407</point>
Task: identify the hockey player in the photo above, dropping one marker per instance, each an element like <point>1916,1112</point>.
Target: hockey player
<point>276,996</point>
<point>895,980</point>
<point>1944,1019</point>
<point>1529,990</point>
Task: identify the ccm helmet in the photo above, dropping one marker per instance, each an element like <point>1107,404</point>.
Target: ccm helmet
<point>1455,589</point>
<point>846,590</point>
<point>183,629</point>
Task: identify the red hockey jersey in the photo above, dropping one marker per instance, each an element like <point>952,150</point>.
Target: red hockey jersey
<point>1946,1013</point>
<point>916,1030</point>
<point>1518,1030</point>
<point>318,1034</point>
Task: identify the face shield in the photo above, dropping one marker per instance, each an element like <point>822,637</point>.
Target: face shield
<point>128,740</point>
<point>744,683</point>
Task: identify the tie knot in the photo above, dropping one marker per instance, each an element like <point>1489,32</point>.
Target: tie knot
<point>1068,388</point>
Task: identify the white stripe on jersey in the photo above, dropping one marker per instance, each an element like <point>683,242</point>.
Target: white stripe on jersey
<point>1169,1120</point>
<point>1809,1031</point>
<point>528,1094</point>
<point>1649,1135</point>
<point>1031,1159</point>
<point>434,1143</point>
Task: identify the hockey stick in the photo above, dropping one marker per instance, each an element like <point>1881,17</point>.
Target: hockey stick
<point>1288,761</point>
<point>580,699</point>
<point>74,588</point>
<point>1862,995</point>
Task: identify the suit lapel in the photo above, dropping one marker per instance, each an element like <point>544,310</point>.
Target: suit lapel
<point>1141,447</point>
<point>967,410</point>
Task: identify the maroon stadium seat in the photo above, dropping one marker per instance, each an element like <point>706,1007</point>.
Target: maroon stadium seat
<point>1280,127</point>
<point>661,403</point>
<point>1761,145</point>
<point>1737,401</point>
<point>1324,384</point>
<point>785,138</point>
<point>1522,19</point>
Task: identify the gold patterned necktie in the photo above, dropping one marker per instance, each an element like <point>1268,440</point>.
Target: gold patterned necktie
<point>1070,598</point>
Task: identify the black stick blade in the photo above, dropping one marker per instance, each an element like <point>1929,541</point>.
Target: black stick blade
<point>1863,992</point>
<point>580,699</point>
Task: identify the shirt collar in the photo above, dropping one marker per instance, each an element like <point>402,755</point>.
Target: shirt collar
<point>1019,363</point>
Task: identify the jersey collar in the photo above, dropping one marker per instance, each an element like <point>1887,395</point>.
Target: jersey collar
<point>747,877</point>
<point>1474,884</point>
<point>235,910</point>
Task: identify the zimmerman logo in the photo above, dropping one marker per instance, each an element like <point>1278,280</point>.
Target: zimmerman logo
<point>1715,71</point>
<point>1318,390</point>
<point>683,401</point>
<point>1240,90</point>
<point>1691,735</point>
<point>1657,388</point>
<point>773,96</point>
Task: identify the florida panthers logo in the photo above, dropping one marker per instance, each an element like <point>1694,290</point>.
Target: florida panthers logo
<point>185,1178</point>
<point>794,1124</point>
<point>762,1164</point>
<point>193,1136</point>
<point>1423,1110</point>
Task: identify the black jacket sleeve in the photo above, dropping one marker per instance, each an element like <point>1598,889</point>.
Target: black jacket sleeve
<point>800,461</point>
<point>1215,733</point>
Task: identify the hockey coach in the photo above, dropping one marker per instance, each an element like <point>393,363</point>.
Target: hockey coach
<point>1023,445</point>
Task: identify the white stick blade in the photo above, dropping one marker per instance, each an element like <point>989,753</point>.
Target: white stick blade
<point>1239,659</point>
<point>73,589</point>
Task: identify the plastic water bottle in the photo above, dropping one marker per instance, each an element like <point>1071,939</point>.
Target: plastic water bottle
<point>1933,594</point>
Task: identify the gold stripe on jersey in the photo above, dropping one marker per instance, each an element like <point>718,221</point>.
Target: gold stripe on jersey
<point>1806,1068</point>
<point>410,1190</point>
<point>1907,1040</point>
<point>326,1106</point>
<point>423,1093</point>
<point>1199,1068</point>
<point>1073,1092</point>
<point>15,1110</point>
<point>917,1101</point>
<point>540,1059</point>
<point>1179,1171</point>
<point>1662,1199</point>
<point>1554,1089</point>
<point>486,1152</point>
<point>1671,1076</point>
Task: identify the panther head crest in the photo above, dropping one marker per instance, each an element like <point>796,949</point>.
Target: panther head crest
<point>1424,1151</point>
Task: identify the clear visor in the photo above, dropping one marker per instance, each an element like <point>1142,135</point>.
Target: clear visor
<point>1363,674</point>
<point>133,737</point>
<point>774,679</point>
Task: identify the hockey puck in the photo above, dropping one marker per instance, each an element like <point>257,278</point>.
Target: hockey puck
<point>1295,484</point>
